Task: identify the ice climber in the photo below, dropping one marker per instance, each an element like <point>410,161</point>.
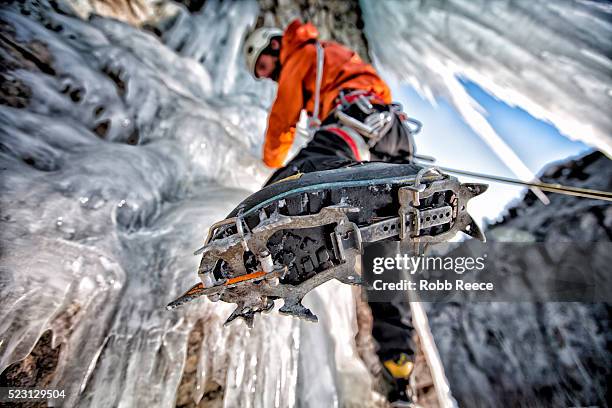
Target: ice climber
<point>351,119</point>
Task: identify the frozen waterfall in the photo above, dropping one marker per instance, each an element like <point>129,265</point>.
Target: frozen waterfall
<point>126,152</point>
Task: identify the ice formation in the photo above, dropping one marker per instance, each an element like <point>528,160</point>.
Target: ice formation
<point>550,58</point>
<point>126,152</point>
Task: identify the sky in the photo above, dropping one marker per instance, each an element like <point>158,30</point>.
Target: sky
<point>454,144</point>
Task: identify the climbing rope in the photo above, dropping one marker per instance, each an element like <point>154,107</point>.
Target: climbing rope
<point>552,188</point>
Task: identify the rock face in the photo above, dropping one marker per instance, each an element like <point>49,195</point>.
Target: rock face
<point>567,218</point>
<point>535,354</point>
<point>339,21</point>
<point>134,12</point>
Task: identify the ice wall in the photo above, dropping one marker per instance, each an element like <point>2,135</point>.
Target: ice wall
<point>117,152</point>
<point>550,58</point>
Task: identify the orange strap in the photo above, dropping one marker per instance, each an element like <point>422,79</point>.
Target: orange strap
<point>242,278</point>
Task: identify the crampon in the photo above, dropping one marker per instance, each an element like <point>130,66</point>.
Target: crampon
<point>300,232</point>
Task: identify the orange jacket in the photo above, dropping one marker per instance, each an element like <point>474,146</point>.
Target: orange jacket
<point>343,69</point>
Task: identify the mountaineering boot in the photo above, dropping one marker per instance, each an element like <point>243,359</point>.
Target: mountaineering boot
<point>397,372</point>
<point>300,232</point>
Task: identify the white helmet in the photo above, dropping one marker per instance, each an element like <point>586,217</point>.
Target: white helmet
<point>256,42</point>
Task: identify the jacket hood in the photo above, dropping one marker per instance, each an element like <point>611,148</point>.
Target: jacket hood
<point>295,36</point>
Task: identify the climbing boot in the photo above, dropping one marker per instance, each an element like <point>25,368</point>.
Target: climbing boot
<point>300,232</point>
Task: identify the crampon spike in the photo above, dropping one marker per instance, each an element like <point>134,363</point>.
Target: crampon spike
<point>476,189</point>
<point>473,230</point>
<point>296,309</point>
<point>193,293</point>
